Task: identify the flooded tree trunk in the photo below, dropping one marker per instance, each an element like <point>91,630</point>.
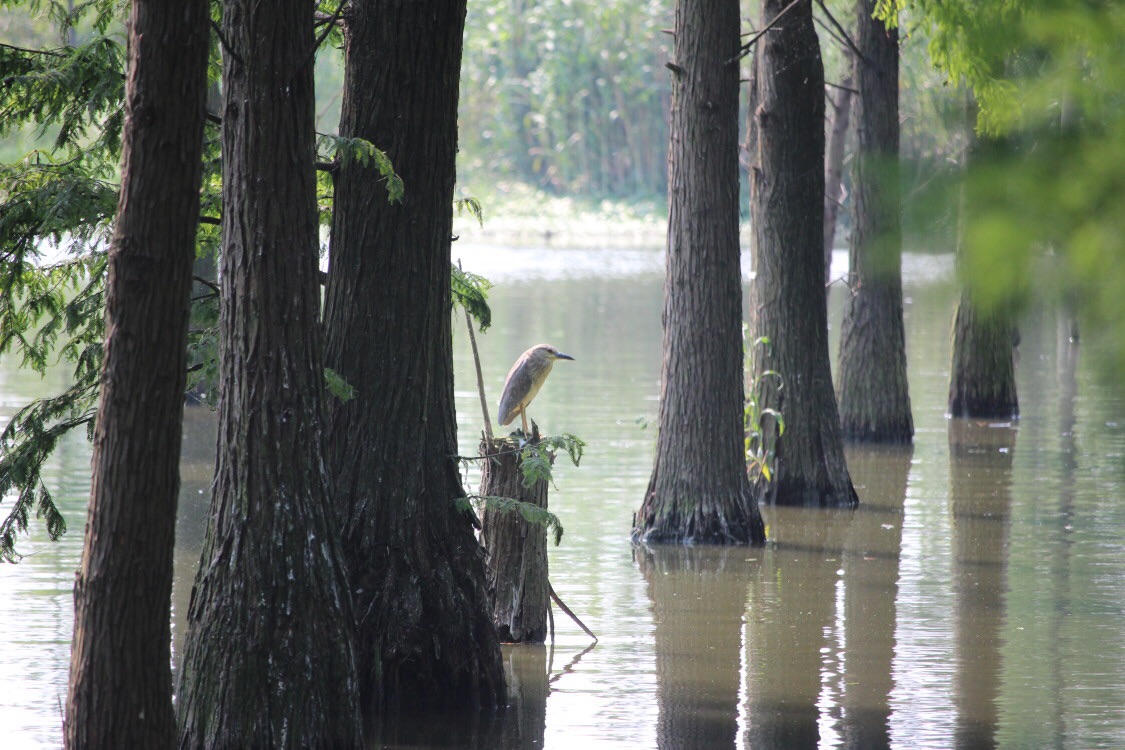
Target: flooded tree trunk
<point>787,300</point>
<point>516,549</point>
<point>425,633</point>
<point>982,374</point>
<point>120,691</point>
<point>871,380</point>
<point>699,490</point>
<point>982,371</point>
<point>268,658</point>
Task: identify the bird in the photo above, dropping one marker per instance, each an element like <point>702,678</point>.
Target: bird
<point>524,381</point>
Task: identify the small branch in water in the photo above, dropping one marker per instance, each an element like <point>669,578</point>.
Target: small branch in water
<point>555,598</point>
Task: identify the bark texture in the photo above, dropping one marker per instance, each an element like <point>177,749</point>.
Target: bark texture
<point>268,660</point>
<point>120,673</point>
<point>416,570</point>
<point>982,371</point>
<point>787,300</point>
<point>982,374</point>
<point>699,490</point>
<point>872,387</point>
<point>516,549</point>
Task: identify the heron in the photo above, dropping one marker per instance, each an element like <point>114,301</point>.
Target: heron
<point>524,381</point>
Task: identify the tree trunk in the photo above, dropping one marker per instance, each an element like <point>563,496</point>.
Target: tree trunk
<point>787,300</point>
<point>516,549</point>
<point>425,635</point>
<point>268,660</point>
<point>982,373</point>
<point>120,673</point>
<point>699,490</point>
<point>871,372</point>
<point>982,377</point>
<point>841,100</point>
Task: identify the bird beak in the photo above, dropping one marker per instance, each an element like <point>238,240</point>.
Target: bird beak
<point>560,355</point>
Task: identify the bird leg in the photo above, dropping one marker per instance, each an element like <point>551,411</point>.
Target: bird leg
<point>523,416</point>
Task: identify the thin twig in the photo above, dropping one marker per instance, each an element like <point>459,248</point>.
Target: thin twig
<point>225,44</point>
<point>207,283</point>
<point>49,52</point>
<point>555,598</point>
<point>840,29</point>
<point>842,87</point>
<point>745,49</point>
<point>480,375</point>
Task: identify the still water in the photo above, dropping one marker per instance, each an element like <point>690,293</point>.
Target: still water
<point>975,599</point>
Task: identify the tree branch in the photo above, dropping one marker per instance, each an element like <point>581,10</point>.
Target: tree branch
<point>840,29</point>
<point>745,49</point>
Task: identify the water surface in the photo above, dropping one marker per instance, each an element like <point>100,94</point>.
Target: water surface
<point>973,600</point>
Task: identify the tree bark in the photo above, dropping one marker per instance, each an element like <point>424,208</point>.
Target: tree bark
<point>699,490</point>
<point>982,377</point>
<point>516,549</point>
<point>871,370</point>
<point>425,634</point>
<point>982,371</point>
<point>120,673</point>
<point>787,300</point>
<point>841,100</point>
<point>268,660</point>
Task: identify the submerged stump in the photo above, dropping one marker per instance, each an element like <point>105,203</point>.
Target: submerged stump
<point>516,549</point>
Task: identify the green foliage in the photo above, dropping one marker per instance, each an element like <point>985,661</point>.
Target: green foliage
<point>25,445</point>
<point>337,386</point>
<point>366,154</point>
<point>763,426</point>
<point>69,89</point>
<point>1047,76</point>
<point>568,96</point>
<point>531,513</point>
<point>537,458</point>
<point>471,293</point>
<point>471,206</point>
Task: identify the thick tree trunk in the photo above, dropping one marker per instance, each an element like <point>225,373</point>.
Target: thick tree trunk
<point>268,660</point>
<point>982,371</point>
<point>982,378</point>
<point>425,634</point>
<point>516,549</point>
<point>841,100</point>
<point>871,370</point>
<point>787,300</point>
<point>120,673</point>
<point>699,490</point>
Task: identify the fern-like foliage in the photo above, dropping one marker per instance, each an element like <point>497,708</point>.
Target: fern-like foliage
<point>25,445</point>
<point>70,89</point>
<point>365,153</point>
<point>470,206</point>
<point>531,513</point>
<point>537,459</point>
<point>471,293</point>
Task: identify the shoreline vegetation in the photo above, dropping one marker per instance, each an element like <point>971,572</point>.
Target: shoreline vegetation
<point>519,215</point>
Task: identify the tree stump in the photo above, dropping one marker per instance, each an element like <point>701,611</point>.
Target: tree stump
<point>516,549</point>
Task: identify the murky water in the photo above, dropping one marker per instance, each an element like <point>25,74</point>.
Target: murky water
<point>975,599</point>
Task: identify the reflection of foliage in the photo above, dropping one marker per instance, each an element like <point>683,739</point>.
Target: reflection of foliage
<point>762,426</point>
<point>1048,77</point>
